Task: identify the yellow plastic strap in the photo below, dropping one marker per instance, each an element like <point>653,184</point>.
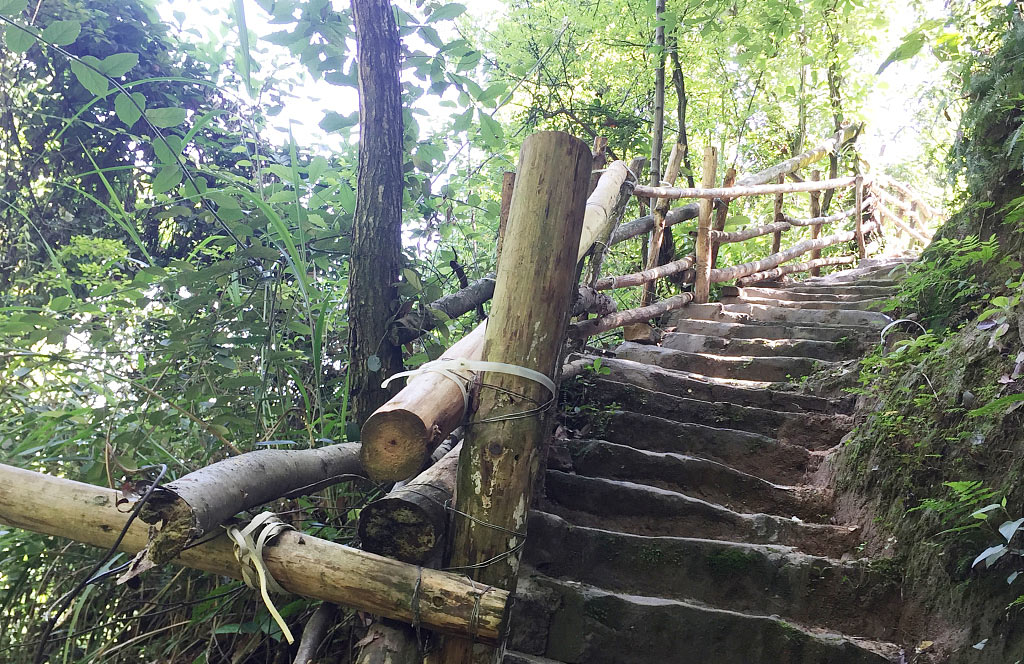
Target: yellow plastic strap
<point>249,553</point>
<point>448,367</point>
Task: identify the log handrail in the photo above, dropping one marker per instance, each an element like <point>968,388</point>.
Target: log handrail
<point>644,191</point>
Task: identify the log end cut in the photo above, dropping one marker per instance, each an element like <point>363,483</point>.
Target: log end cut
<point>395,445</point>
<point>401,529</point>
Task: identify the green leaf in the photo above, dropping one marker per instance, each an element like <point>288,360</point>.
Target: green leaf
<point>910,47</point>
<point>494,135</point>
<point>245,55</point>
<point>127,112</point>
<point>91,80</point>
<point>17,40</point>
<point>119,64</point>
<point>166,117</point>
<point>449,11</point>
<point>334,121</point>
<point>62,33</point>
<point>12,7</point>
<point>168,178</point>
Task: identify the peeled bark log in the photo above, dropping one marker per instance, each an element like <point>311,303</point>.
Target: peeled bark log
<point>199,502</point>
<point>782,270</point>
<point>400,434</point>
<point>305,565</point>
<point>798,249</point>
<point>389,644</point>
<point>886,181</point>
<point>409,524</point>
<point>723,237</point>
<point>646,223</point>
<point>702,248</point>
<point>508,182</point>
<point>589,328</point>
<point>913,232</point>
<point>638,278</point>
<point>589,301</point>
<point>737,191</point>
<point>826,147</point>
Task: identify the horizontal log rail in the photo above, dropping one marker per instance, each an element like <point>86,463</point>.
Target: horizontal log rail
<point>894,218</point>
<point>886,181</point>
<point>305,565</point>
<point>589,328</point>
<point>798,249</point>
<point>838,216</point>
<point>643,191</point>
<point>729,237</point>
<point>783,270</point>
<point>645,276</point>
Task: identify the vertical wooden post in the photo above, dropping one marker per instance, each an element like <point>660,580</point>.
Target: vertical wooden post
<point>702,282</point>
<point>816,229</point>
<point>675,160</point>
<point>508,182</point>
<point>600,158</point>
<point>777,236</point>
<point>722,214</point>
<point>501,453</point>
<point>858,217</point>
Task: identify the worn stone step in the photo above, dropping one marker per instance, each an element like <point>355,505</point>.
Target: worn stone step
<point>739,313</point>
<point>860,292</point>
<point>762,369</point>
<point>767,457</point>
<point>878,278</point>
<point>795,295</point>
<point>585,624</point>
<point>821,350</point>
<point>699,478</point>
<point>760,330</point>
<point>642,509</point>
<point>856,597</point>
<point>688,385</point>
<point>875,304</point>
<point>512,657</point>
<point>816,431</point>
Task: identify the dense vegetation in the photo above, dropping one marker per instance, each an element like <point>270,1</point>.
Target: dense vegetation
<point>174,257</point>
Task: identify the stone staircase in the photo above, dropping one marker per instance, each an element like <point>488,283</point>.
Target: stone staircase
<point>689,524</point>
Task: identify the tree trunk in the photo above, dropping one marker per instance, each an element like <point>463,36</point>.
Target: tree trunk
<point>503,447</point>
<point>778,217</point>
<point>816,229</point>
<point>377,223</point>
<point>722,214</point>
<point>660,209</point>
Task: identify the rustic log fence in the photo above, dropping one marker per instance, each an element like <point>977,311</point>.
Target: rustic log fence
<point>548,226</point>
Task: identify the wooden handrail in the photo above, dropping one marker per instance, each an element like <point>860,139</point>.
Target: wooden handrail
<point>643,191</point>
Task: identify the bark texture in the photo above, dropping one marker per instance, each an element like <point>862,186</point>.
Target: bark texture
<point>377,224</point>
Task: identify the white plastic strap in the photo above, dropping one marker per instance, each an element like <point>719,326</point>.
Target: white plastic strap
<point>448,367</point>
<point>249,553</point>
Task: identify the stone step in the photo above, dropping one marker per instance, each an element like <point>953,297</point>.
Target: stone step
<point>762,369</point>
<point>794,294</point>
<point>740,313</point>
<point>759,330</point>
<point>856,597</point>
<point>880,278</point>
<point>875,304</point>
<point>692,386</point>
<point>698,478</point>
<point>861,292</point>
<point>821,350</point>
<point>753,453</point>
<point>585,624</point>
<point>642,509</point>
<point>816,431</point>
<point>512,657</point>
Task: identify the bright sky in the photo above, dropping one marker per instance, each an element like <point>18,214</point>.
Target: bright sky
<point>891,134</point>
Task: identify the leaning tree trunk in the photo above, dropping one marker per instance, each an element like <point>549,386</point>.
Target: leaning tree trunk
<point>377,226</point>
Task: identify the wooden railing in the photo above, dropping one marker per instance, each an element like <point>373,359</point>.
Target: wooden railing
<point>411,523</point>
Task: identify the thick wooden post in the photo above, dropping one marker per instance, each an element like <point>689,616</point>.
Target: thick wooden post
<point>502,449</point>
<point>858,217</point>
<point>778,216</point>
<point>815,229</point>
<point>508,181</point>
<point>702,284</point>
<point>722,214</point>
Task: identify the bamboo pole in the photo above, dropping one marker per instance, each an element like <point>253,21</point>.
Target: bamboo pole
<point>721,215</point>
<point>782,270</point>
<point>858,218</point>
<point>798,249</point>
<point>737,191</point>
<point>778,217</point>
<point>501,454</point>
<point>816,228</point>
<point>702,286</point>
<point>305,565</point>
<point>660,209</point>
<point>589,328</point>
<point>638,278</point>
<point>398,436</point>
